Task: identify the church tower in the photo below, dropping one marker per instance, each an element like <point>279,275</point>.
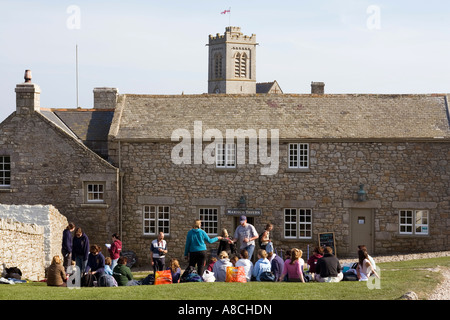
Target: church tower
<point>232,62</point>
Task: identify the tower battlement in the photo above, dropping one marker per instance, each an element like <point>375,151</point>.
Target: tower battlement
<point>232,34</point>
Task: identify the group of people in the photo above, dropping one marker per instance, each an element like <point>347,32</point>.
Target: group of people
<point>323,264</point>
<point>79,254</point>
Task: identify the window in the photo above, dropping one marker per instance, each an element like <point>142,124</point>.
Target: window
<point>5,171</point>
<point>95,192</point>
<point>225,155</point>
<point>240,65</point>
<point>209,218</point>
<point>414,222</point>
<point>218,66</point>
<point>297,223</point>
<point>299,155</point>
<point>156,219</point>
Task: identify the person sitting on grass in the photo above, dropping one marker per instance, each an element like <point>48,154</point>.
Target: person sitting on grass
<point>123,274</point>
<point>56,275</point>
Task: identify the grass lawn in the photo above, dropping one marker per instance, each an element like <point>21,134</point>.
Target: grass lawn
<point>397,278</point>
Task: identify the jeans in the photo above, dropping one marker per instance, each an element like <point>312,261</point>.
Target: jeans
<point>158,264</point>
<point>81,263</point>
<point>250,249</point>
<point>114,263</point>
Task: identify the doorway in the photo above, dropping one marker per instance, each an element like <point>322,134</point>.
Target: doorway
<point>237,222</point>
<point>361,230</point>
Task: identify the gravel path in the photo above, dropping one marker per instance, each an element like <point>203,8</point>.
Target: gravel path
<point>442,292</point>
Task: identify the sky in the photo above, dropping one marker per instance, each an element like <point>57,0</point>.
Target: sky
<point>159,47</point>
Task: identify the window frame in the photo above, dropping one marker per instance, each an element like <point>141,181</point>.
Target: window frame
<point>160,219</point>
<point>297,227</point>
<point>408,222</point>
<point>5,174</point>
<point>206,223</point>
<point>226,155</point>
<point>99,195</point>
<point>299,159</point>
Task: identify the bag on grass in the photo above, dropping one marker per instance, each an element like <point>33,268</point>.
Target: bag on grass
<point>267,276</point>
<point>235,274</point>
<point>163,277</point>
<point>208,276</point>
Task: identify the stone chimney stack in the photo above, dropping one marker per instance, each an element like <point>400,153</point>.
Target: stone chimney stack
<point>317,87</point>
<point>105,98</point>
<point>28,95</point>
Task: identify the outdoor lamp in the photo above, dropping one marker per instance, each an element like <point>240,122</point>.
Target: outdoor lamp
<point>362,195</point>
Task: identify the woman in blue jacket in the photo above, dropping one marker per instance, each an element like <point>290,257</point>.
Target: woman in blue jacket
<point>195,247</point>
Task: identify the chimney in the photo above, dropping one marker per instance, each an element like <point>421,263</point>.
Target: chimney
<point>27,96</point>
<point>105,98</point>
<point>317,87</point>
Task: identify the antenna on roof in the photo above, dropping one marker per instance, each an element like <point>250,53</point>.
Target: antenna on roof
<point>76,57</point>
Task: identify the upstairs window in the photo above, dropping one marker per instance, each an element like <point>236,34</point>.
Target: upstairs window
<point>95,192</point>
<point>5,171</point>
<point>299,155</point>
<point>225,155</point>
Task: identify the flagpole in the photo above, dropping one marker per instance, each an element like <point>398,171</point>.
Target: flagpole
<point>76,58</point>
<point>229,17</point>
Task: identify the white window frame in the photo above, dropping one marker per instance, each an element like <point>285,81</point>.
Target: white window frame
<point>5,171</point>
<point>414,222</point>
<point>95,192</point>
<point>297,223</point>
<point>298,155</point>
<point>210,220</point>
<point>225,155</point>
<point>155,218</point>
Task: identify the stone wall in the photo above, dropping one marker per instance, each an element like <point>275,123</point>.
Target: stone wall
<point>47,217</point>
<point>22,246</point>
<point>396,175</point>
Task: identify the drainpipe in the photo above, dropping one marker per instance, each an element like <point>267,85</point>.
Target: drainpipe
<point>446,109</point>
<point>121,193</point>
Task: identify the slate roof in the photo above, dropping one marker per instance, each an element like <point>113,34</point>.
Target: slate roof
<point>307,116</point>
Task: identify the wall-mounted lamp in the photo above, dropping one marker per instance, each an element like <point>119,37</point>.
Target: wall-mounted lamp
<point>362,195</point>
<point>243,202</point>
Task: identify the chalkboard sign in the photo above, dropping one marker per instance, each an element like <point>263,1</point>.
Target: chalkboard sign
<point>326,239</point>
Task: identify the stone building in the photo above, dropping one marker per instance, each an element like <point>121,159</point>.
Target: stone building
<point>372,169</point>
<point>45,160</point>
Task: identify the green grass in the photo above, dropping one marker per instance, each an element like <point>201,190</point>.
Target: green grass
<point>397,278</point>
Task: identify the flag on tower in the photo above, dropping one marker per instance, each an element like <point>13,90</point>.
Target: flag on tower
<point>225,11</point>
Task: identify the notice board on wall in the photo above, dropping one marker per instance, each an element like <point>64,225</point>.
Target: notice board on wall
<point>326,239</point>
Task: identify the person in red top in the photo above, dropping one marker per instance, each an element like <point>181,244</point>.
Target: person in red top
<point>114,250</point>
<point>312,261</point>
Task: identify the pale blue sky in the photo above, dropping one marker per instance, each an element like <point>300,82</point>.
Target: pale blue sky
<point>158,47</point>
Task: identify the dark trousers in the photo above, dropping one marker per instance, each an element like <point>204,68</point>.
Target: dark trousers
<point>198,258</point>
<point>158,264</point>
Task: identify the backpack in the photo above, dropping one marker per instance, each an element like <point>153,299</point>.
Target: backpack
<point>267,276</point>
<point>88,280</point>
<point>190,275</point>
<point>106,280</point>
<point>260,241</point>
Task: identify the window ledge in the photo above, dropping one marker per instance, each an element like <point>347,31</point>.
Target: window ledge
<point>95,205</point>
<point>225,169</point>
<point>6,190</point>
<point>298,170</point>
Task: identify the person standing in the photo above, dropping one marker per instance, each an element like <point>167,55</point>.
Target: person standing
<point>246,235</point>
<point>114,250</point>
<point>158,250</point>
<point>265,237</point>
<point>195,247</point>
<point>80,249</point>
<point>66,248</point>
